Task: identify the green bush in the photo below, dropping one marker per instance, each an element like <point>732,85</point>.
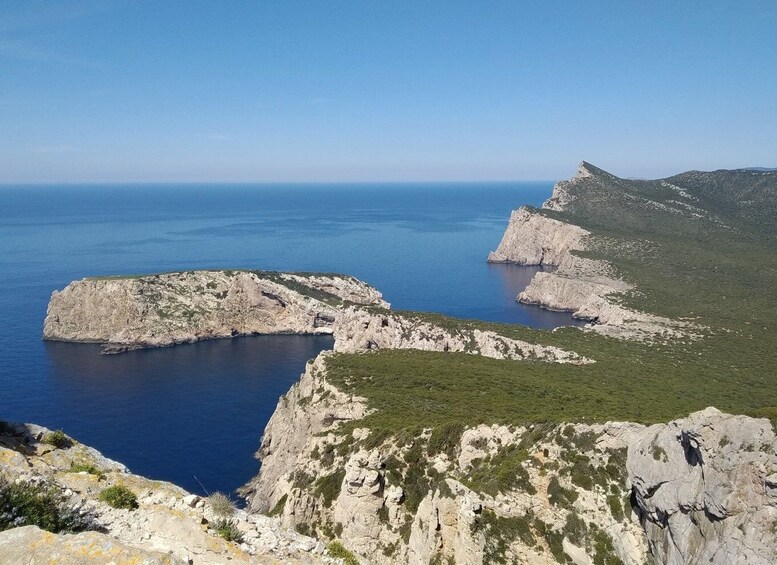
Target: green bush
<point>328,487</point>
<point>336,549</point>
<point>221,505</point>
<point>86,468</point>
<point>227,529</point>
<point>445,439</point>
<point>560,496</point>
<point>27,504</point>
<point>119,496</point>
<point>58,439</point>
<point>279,506</point>
<point>502,472</point>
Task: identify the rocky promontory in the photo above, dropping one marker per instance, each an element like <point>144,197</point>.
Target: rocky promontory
<point>159,310</point>
<point>589,288</point>
<point>364,329</point>
<point>616,492</point>
<point>533,239</point>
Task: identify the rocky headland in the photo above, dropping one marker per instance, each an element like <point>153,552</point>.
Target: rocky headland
<point>590,288</point>
<point>619,492</point>
<point>126,313</point>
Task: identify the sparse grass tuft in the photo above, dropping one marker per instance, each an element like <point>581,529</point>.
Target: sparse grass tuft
<point>338,550</point>
<point>221,505</point>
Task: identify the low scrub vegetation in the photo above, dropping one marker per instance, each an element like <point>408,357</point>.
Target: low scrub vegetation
<point>221,505</point>
<point>338,550</point>
<point>58,439</point>
<point>28,504</point>
<point>228,530</point>
<point>119,496</point>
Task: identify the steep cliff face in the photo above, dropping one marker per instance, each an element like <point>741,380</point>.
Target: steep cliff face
<point>486,495</point>
<point>588,288</point>
<point>359,329</point>
<point>169,525</point>
<point>691,491</point>
<point>706,487</point>
<point>533,239</point>
<point>171,308</point>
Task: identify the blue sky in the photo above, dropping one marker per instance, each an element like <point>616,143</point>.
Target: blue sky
<point>371,91</point>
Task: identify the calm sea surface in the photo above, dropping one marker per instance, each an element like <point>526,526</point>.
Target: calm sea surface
<point>200,409</point>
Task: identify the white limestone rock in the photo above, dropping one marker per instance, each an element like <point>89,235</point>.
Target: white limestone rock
<point>171,308</point>
<point>705,488</point>
<point>534,239</point>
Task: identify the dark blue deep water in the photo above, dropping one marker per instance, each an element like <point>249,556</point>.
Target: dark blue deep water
<point>199,410</point>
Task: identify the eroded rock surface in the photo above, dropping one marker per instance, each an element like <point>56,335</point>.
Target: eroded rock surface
<point>533,239</point>
<point>171,308</point>
<point>358,329</point>
<point>169,525</point>
<point>706,487</point>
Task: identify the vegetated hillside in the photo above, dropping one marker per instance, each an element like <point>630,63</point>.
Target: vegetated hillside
<point>692,251</point>
<point>434,456</point>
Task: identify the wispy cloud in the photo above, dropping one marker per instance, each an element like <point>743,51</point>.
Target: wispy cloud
<point>24,51</point>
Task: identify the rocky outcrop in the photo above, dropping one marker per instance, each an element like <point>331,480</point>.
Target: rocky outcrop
<point>359,329</point>
<point>706,487</point>
<point>169,524</point>
<point>159,310</point>
<point>533,239</point>
<point>590,289</point>
<point>687,492</point>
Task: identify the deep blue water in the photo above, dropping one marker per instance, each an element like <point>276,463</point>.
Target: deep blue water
<point>199,410</point>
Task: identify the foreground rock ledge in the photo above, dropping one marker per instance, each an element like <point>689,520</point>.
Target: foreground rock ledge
<point>127,313</point>
<point>169,525</point>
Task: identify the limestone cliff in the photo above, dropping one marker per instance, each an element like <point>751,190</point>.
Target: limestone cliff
<point>166,309</point>
<point>360,329</point>
<point>590,289</point>
<point>533,239</point>
<point>685,492</point>
<point>706,487</point>
<point>169,525</point>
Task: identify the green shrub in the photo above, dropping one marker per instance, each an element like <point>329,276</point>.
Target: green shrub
<point>119,496</point>
<point>27,504</point>
<point>445,439</point>
<point>221,505</point>
<point>575,529</point>
<point>86,468</point>
<point>560,496</point>
<point>279,506</point>
<point>338,550</point>
<point>227,529</point>
<point>502,472</point>
<point>58,439</point>
<point>328,487</point>
<point>616,507</point>
<point>500,532</point>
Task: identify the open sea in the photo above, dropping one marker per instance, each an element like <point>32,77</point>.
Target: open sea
<point>195,413</point>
